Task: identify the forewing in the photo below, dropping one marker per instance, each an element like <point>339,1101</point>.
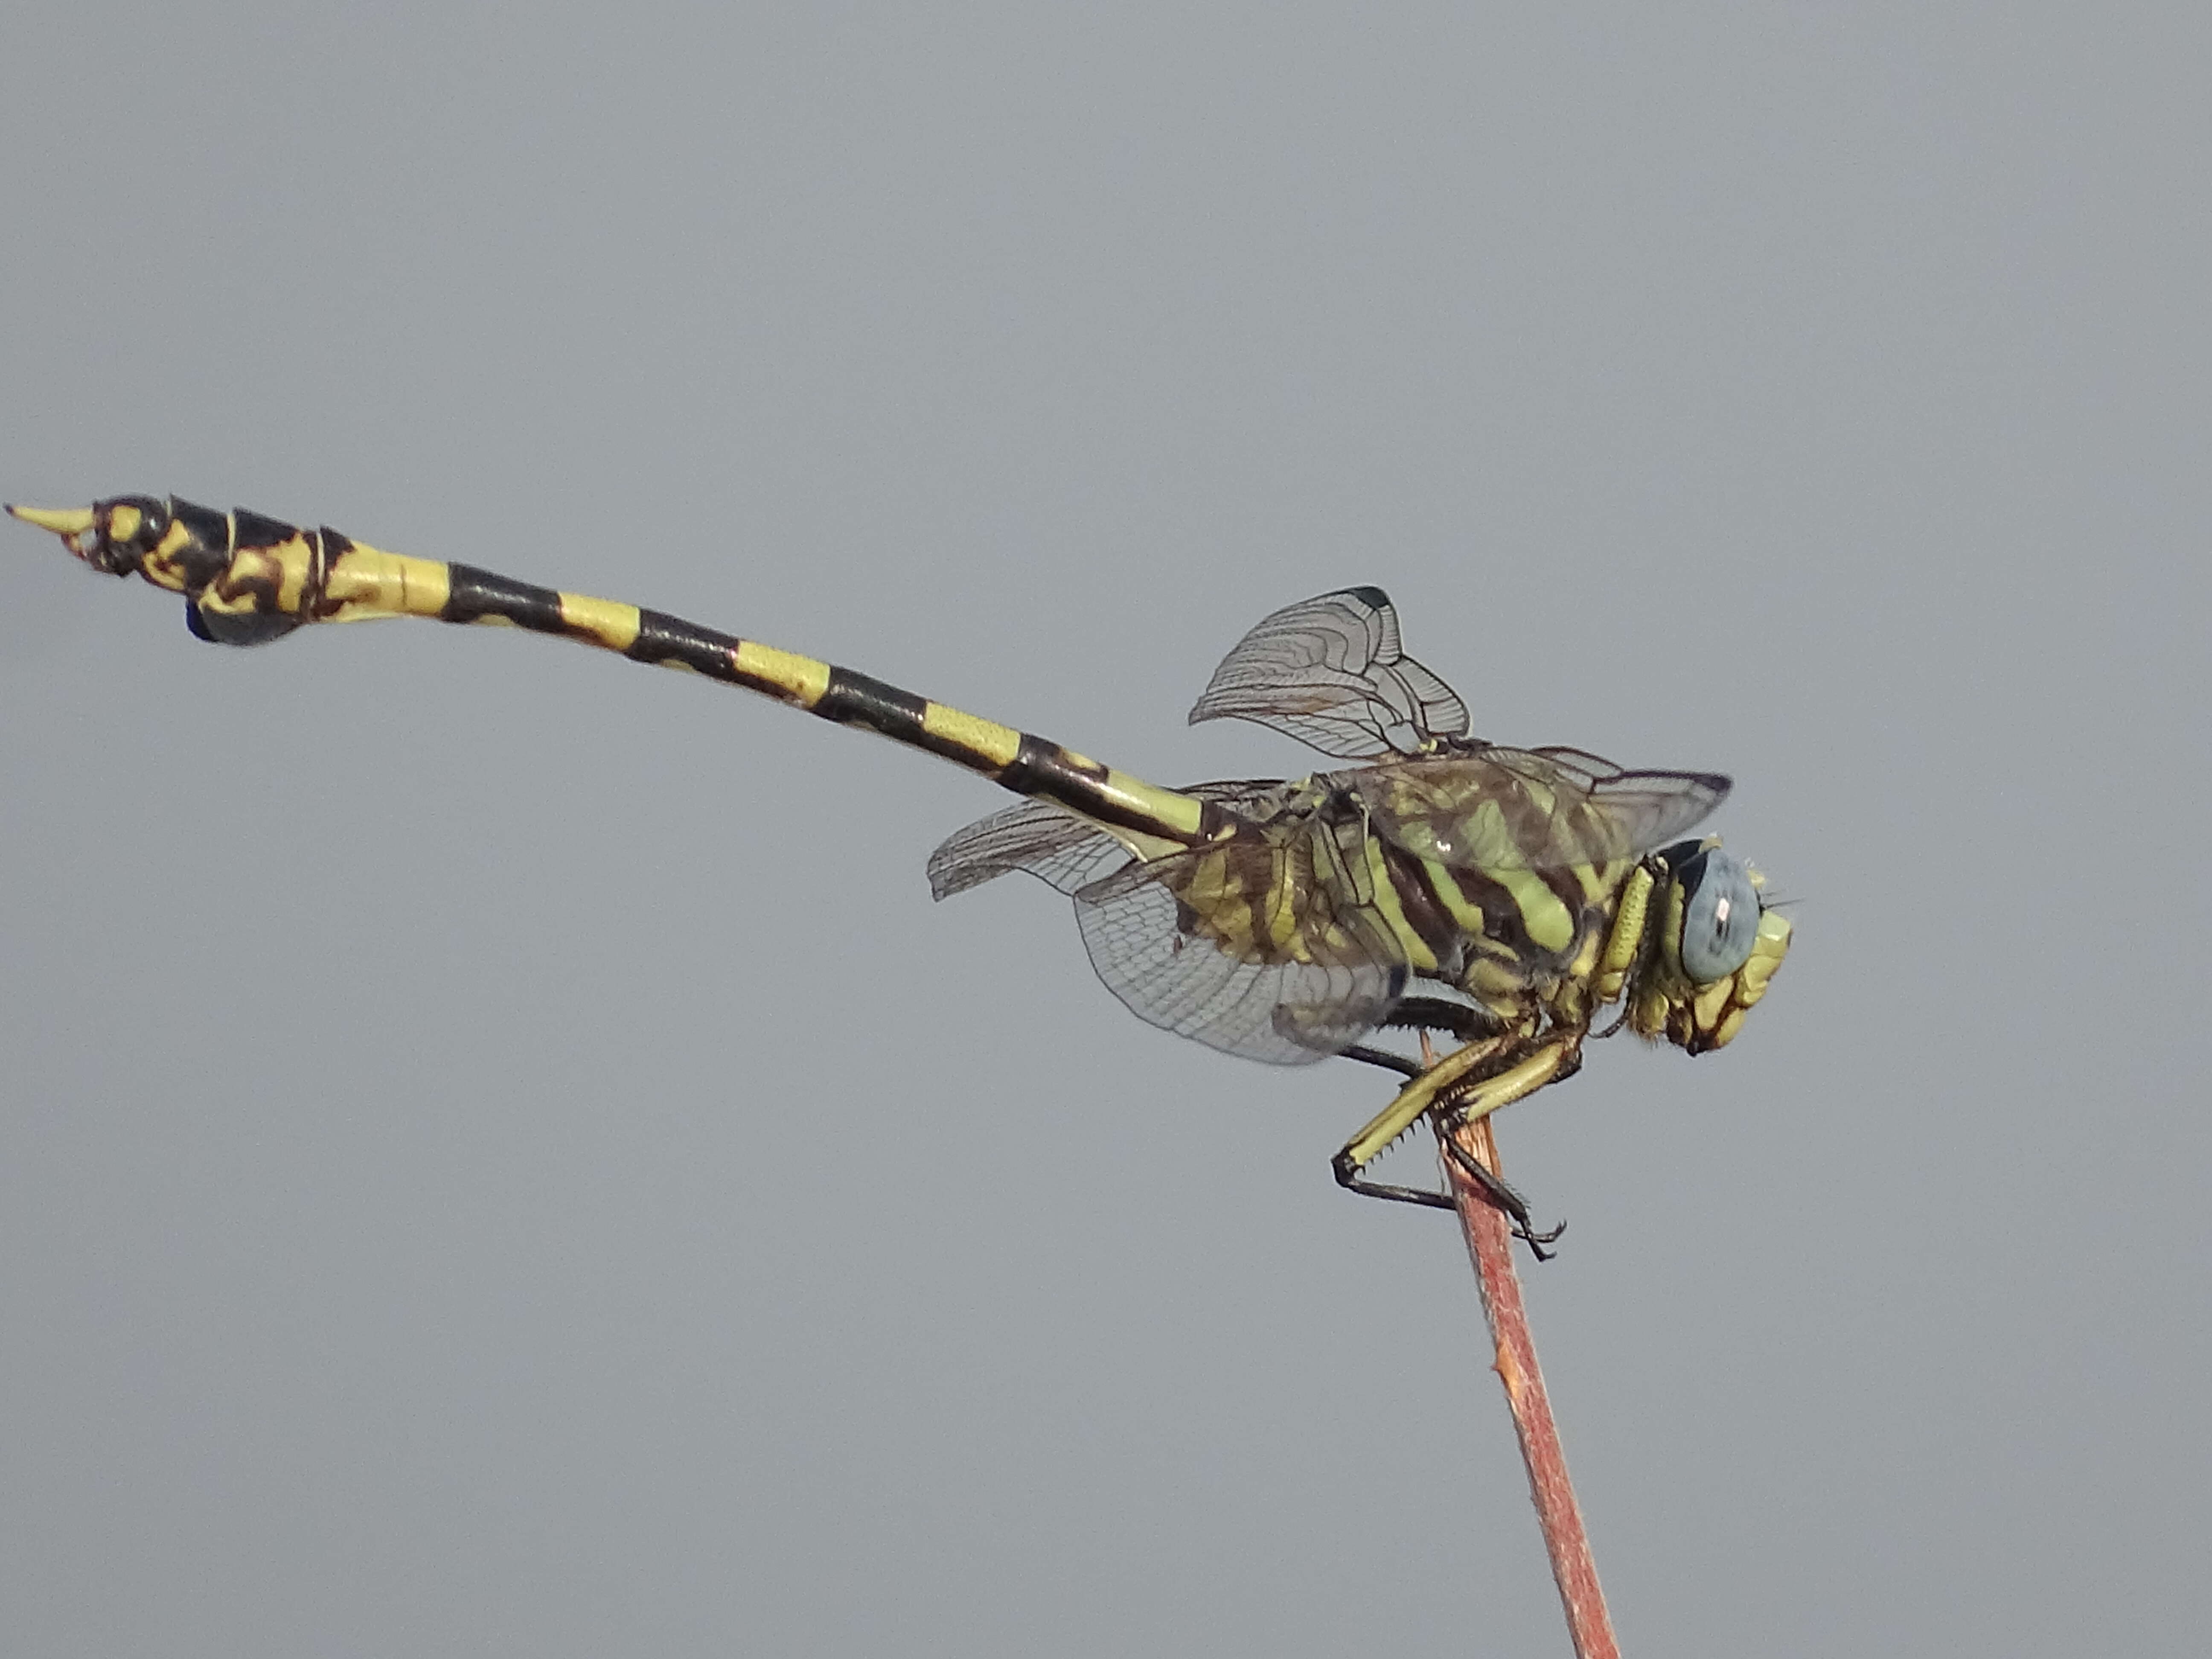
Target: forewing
<point>1330,672</point>
<point>1286,1003</point>
<point>1534,809</point>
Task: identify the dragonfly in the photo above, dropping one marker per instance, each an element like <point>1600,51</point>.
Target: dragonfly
<point>1503,898</point>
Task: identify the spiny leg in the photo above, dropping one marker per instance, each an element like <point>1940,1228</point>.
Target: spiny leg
<point>1471,1083</point>
<point>1540,1063</point>
<point>1411,1104</point>
<point>1495,1187</point>
<point>1424,1015</point>
<point>1350,1179</point>
<point>1459,1019</point>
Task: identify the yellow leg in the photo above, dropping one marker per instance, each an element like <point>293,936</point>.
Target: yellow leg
<point>1414,1100</point>
<point>1550,1060</point>
<point>1459,1087</point>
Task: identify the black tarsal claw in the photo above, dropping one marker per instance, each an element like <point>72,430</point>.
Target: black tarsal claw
<point>1536,1241</point>
<point>1500,1192</point>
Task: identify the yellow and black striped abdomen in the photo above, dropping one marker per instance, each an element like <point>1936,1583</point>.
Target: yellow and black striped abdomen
<point>247,580</point>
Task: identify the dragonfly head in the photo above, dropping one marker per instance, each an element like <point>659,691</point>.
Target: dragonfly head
<point>123,536</point>
<point>1712,945</point>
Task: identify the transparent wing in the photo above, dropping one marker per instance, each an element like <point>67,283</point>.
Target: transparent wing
<point>1330,672</point>
<point>1056,846</point>
<point>1314,982</point>
<point>1536,809</point>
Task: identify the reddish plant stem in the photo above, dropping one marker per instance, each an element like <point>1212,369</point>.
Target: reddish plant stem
<point>1490,1241</point>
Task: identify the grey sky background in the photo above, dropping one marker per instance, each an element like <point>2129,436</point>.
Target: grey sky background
<point>500,1155</point>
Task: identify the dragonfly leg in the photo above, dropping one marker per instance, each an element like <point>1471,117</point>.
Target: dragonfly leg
<point>1348,1176</point>
<point>1421,1093</point>
<point>1495,1187</point>
<point>1459,1019</point>
<point>1425,1014</point>
<point>1383,1189</point>
<point>1382,1057</point>
<point>1532,1064</point>
<point>1503,1193</point>
<point>1468,1083</point>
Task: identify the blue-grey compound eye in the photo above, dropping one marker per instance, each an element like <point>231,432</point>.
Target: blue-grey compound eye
<point>1721,921</point>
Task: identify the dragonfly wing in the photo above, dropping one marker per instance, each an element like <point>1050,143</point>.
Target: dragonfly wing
<point>1057,847</point>
<point>1331,673</point>
<point>1536,809</point>
<point>1323,985</point>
